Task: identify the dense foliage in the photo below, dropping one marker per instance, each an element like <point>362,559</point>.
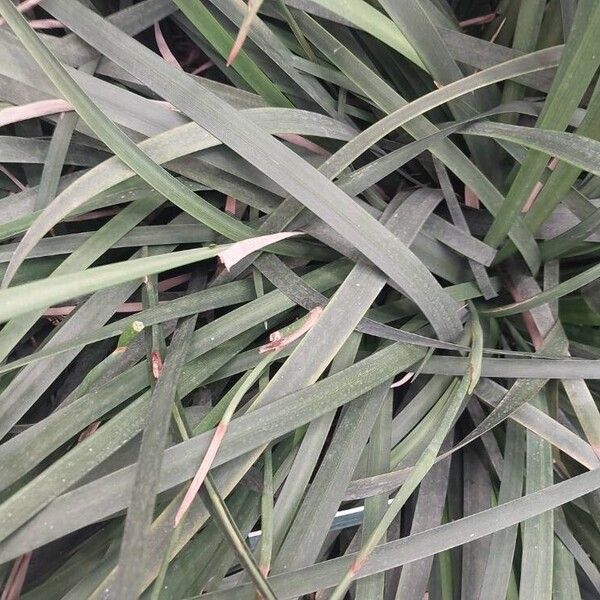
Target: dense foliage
<point>300,299</point>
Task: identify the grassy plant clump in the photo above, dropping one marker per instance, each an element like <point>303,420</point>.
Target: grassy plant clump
<point>300,299</point>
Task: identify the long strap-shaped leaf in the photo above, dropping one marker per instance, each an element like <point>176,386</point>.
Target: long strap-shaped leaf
<point>499,562</point>
<point>566,287</point>
<point>537,61</point>
<point>414,547</point>
<point>22,299</point>
<point>281,164</point>
<point>363,15</point>
<point>28,297</point>
<point>154,438</point>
